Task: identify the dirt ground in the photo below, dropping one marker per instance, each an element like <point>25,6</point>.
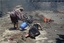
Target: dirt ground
<point>51,33</point>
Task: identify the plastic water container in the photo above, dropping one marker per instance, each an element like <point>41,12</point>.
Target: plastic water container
<point>23,25</point>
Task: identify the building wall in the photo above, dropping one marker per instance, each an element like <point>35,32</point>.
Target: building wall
<point>28,5</point>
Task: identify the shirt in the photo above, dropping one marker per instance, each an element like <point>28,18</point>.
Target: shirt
<point>17,13</point>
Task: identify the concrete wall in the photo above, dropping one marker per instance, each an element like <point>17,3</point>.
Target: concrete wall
<point>60,6</point>
<point>28,5</point>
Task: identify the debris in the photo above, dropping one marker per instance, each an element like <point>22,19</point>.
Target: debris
<point>14,34</point>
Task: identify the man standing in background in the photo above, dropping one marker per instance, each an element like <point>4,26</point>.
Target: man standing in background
<point>16,15</point>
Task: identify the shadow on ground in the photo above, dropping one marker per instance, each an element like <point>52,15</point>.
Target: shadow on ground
<point>12,28</point>
<point>60,39</point>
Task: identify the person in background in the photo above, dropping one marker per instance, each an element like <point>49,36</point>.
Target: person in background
<point>16,15</point>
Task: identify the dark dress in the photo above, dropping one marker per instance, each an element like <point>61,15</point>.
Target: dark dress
<point>33,32</point>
